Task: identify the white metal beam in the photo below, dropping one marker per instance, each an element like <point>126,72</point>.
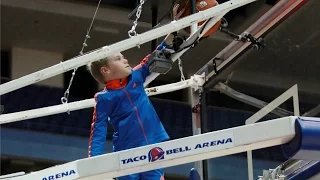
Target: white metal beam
<point>122,45</point>
<point>193,82</point>
<point>175,152</point>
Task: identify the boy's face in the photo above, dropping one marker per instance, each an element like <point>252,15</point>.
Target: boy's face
<point>118,67</point>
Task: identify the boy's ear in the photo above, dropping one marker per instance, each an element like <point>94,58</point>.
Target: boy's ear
<point>104,70</point>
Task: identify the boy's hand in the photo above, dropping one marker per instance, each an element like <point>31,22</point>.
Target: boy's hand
<point>176,15</point>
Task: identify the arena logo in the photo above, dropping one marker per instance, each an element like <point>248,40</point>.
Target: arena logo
<point>157,153</point>
<point>60,175</point>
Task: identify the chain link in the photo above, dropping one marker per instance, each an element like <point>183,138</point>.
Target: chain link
<point>181,69</point>
<point>64,99</point>
<point>133,32</point>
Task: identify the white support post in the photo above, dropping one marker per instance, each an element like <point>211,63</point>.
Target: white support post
<point>196,124</point>
<point>292,92</point>
<point>194,99</point>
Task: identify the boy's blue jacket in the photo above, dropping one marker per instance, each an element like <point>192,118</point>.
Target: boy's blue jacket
<point>125,104</point>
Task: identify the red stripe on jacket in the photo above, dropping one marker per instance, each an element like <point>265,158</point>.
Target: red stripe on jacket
<point>94,118</point>
<point>142,63</point>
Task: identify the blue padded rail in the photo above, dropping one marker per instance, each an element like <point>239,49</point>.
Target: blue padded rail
<point>194,175</point>
<point>308,173</point>
<point>306,143</point>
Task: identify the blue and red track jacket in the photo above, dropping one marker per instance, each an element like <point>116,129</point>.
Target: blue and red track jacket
<point>128,109</point>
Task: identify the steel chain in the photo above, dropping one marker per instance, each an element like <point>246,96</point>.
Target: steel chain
<point>181,69</point>
<point>132,32</point>
<point>64,99</point>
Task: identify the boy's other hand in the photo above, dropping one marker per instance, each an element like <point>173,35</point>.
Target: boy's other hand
<point>176,14</point>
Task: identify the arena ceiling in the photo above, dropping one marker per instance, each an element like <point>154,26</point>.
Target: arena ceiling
<point>60,26</point>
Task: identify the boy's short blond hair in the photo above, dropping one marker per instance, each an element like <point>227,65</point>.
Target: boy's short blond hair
<point>94,69</point>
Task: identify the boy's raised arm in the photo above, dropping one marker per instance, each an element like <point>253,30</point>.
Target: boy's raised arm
<point>143,66</point>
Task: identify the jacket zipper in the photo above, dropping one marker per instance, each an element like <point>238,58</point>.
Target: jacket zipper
<point>137,113</point>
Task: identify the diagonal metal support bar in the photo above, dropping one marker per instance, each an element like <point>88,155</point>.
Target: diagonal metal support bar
<point>223,88</point>
<point>313,112</point>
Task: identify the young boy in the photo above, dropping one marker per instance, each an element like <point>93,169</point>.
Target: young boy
<point>125,104</point>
